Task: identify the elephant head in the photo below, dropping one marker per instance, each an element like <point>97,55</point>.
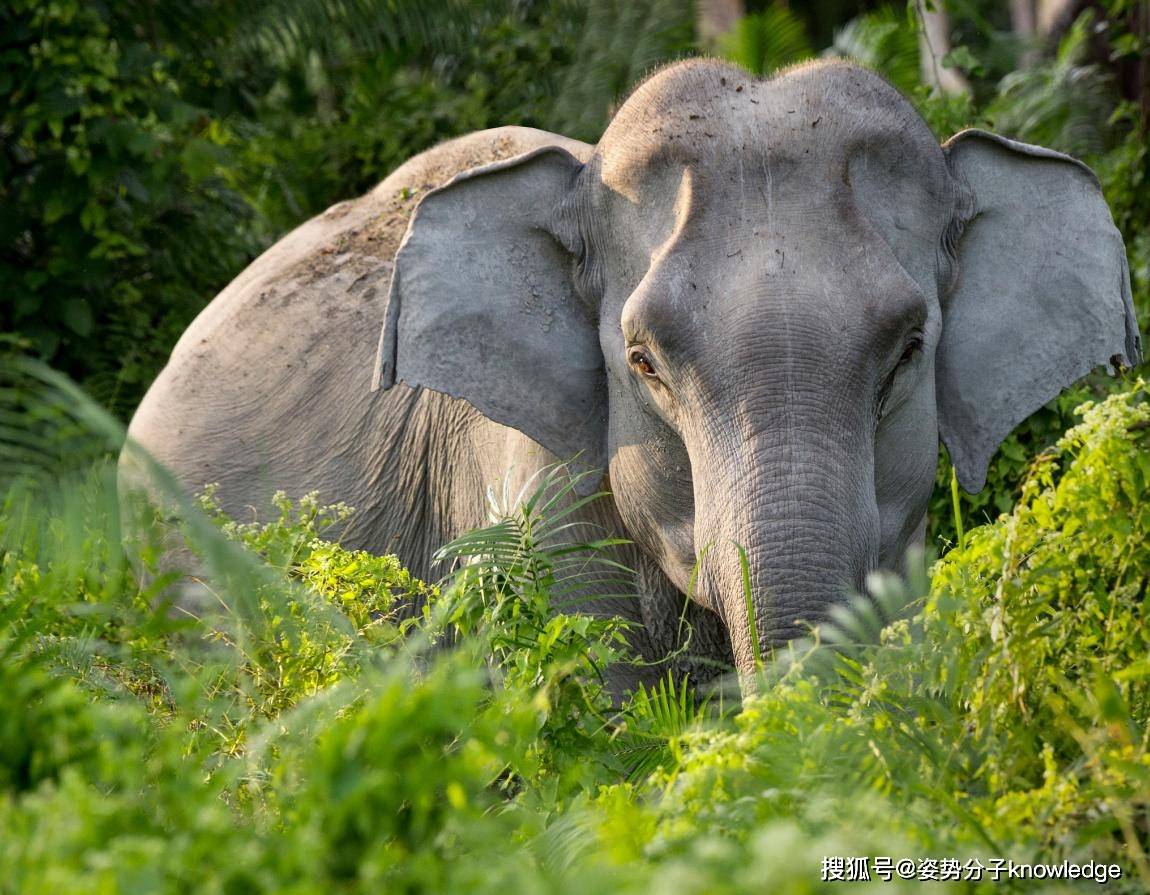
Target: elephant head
<point>758,305</point>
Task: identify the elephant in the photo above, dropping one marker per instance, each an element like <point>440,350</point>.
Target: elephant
<point>749,313</point>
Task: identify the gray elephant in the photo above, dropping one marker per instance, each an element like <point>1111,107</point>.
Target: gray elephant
<point>755,305</point>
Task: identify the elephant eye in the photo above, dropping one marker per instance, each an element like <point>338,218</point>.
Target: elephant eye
<point>894,387</point>
<point>909,351</point>
<point>638,358</point>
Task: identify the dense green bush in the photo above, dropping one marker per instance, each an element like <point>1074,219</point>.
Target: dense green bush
<point>149,150</point>
<point>1004,714</point>
<point>116,222</point>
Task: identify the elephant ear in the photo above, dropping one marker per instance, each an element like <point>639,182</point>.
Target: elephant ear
<point>483,307</point>
<point>1041,298</point>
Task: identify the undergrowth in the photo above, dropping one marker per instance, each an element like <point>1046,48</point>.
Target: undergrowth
<point>307,730</point>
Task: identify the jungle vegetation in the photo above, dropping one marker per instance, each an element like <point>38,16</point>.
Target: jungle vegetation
<point>304,735</point>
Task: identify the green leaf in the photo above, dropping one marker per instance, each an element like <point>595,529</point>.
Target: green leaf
<point>964,60</point>
<point>77,316</point>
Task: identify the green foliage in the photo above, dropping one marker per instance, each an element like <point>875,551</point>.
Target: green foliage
<point>517,592</point>
<point>1062,102</point>
<point>1008,468</point>
<point>112,197</point>
<point>654,721</point>
<point>1004,712</point>
<point>881,40</point>
<point>1051,601</point>
<point>768,40</point>
<point>619,43</point>
<point>149,150</point>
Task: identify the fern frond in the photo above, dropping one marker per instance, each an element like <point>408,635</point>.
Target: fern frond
<point>881,40</point>
<point>768,40</point>
<point>1064,102</point>
<point>654,719</point>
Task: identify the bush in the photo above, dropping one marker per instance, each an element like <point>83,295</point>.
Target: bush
<point>1010,709</point>
<point>1003,714</point>
<point>116,219</point>
<point>150,150</point>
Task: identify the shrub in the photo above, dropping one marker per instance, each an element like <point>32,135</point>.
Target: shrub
<point>116,219</point>
<point>1003,713</point>
<point>150,150</point>
<point>1007,713</point>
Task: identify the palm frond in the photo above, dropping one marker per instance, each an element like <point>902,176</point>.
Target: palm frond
<point>768,40</point>
<point>881,40</point>
<point>1063,102</point>
<point>620,41</point>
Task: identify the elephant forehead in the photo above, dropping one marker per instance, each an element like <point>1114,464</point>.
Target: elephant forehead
<point>800,127</point>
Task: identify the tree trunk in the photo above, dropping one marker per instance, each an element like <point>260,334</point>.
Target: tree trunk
<point>1022,17</point>
<point>714,18</point>
<point>933,45</point>
<point>1050,13</point>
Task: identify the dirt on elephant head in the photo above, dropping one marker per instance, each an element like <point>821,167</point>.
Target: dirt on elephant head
<point>374,224</point>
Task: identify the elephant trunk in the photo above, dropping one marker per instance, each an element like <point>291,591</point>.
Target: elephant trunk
<point>790,518</point>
